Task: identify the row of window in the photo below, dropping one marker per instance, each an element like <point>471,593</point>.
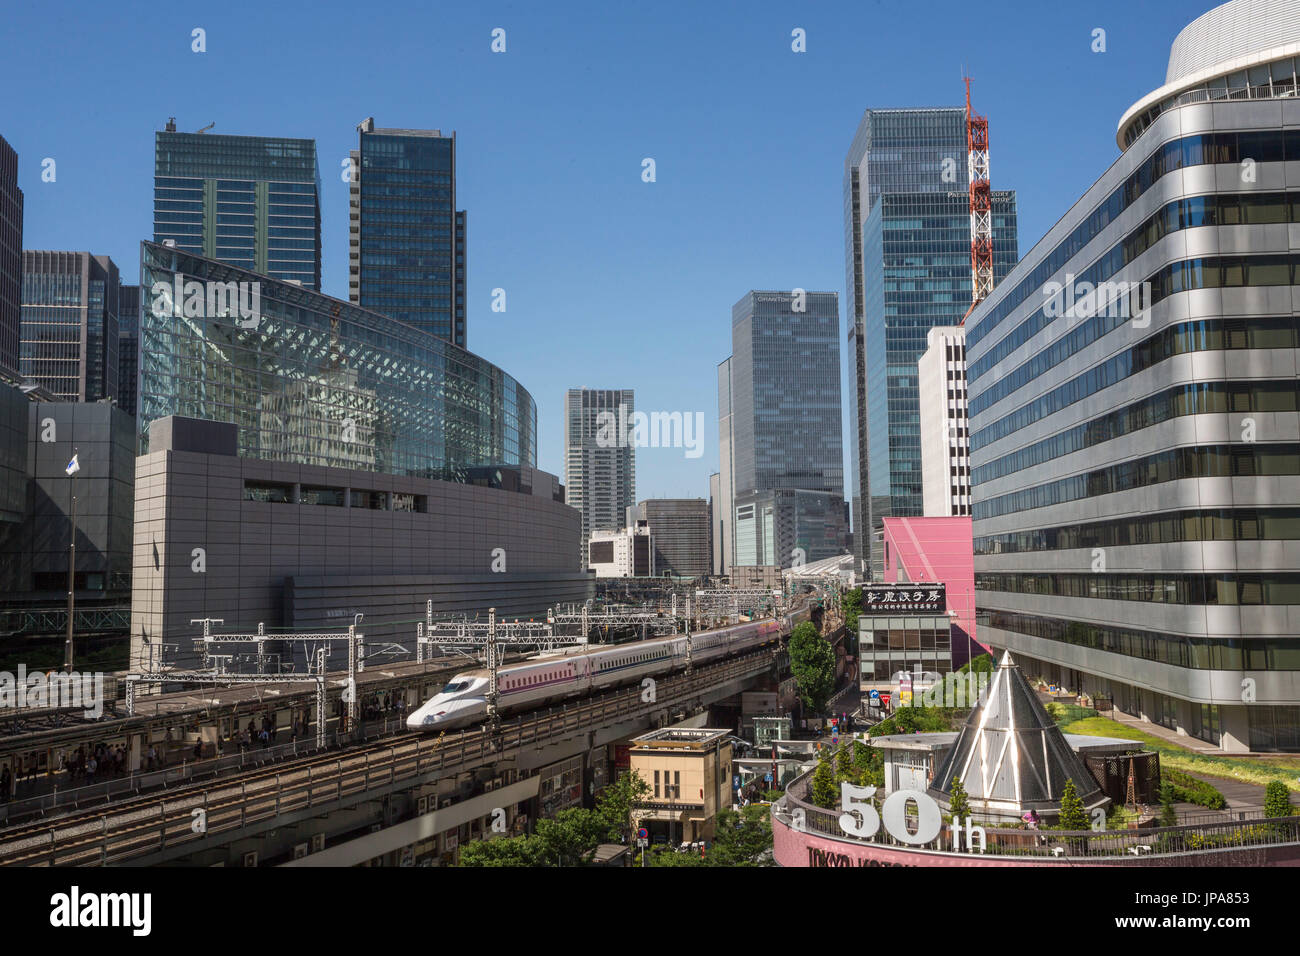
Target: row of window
<point>1200,398</point>
<point>1207,148</point>
<point>1241,524</point>
<point>1213,210</point>
<point>1203,335</point>
<point>1212,272</point>
<point>1220,589</point>
<point>277,493</point>
<point>1201,653</point>
<point>1204,461</point>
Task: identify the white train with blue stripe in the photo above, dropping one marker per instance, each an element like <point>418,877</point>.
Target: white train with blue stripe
<point>578,671</point>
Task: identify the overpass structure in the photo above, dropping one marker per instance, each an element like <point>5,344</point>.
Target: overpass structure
<point>365,800</point>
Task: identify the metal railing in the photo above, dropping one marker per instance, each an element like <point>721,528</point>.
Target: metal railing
<point>1062,845</point>
<point>166,826</point>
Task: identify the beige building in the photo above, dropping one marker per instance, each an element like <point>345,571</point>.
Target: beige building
<point>689,772</point>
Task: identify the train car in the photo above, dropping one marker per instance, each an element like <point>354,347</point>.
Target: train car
<point>555,677</point>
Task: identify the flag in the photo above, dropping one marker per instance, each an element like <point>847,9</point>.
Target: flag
<point>73,466</point>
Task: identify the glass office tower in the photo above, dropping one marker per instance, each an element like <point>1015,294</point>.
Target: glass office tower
<point>128,348</point>
<point>407,251</point>
<point>786,445</point>
<point>251,201</point>
<point>907,258</point>
<point>317,381</point>
<point>1136,466</point>
<point>69,324</point>
<point>11,257</point>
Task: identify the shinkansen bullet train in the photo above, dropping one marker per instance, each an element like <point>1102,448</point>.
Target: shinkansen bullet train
<point>572,673</point>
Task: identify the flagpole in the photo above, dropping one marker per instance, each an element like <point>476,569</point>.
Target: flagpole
<point>72,561</point>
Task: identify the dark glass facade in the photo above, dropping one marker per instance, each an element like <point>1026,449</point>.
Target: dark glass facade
<point>907,270</point>
<point>314,380</point>
<point>128,348</point>
<point>11,257</point>
<point>250,201</point>
<point>70,324</point>
<point>408,253</point>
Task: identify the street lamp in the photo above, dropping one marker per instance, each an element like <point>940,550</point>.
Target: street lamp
<point>73,467</point>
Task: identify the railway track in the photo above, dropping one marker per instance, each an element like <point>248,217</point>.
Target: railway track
<point>152,824</point>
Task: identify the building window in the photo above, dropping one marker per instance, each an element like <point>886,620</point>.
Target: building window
<point>268,492</point>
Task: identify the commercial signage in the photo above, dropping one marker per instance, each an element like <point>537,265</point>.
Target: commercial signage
<point>879,599</point>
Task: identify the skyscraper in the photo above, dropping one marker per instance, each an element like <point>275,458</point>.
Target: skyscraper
<point>787,485</point>
<point>11,258</point>
<point>1134,412</point>
<point>907,265</point>
<point>251,201</point>
<point>406,257</point>
<point>599,458</point>
<point>69,324</point>
<point>128,348</point>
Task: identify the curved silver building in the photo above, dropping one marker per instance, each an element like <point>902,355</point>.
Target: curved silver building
<point>1135,412</point>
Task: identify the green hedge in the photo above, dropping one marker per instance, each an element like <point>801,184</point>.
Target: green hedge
<point>1188,789</point>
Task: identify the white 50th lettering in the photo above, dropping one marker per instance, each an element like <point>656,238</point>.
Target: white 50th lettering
<point>860,819</point>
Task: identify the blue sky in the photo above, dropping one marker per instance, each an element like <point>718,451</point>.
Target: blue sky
<point>610,282</point>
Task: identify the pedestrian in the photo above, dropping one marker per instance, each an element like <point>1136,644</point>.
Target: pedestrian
<point>151,757</point>
<point>265,738</point>
<point>198,749</point>
<point>91,766</point>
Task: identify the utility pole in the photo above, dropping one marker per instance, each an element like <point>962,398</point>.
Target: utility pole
<point>494,718</point>
<point>73,467</point>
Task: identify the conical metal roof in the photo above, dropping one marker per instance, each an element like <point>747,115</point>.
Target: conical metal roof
<point>1011,756</point>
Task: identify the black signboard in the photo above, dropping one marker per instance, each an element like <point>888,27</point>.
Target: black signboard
<point>903,599</point>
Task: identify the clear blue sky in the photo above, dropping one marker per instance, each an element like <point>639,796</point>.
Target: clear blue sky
<point>610,282</point>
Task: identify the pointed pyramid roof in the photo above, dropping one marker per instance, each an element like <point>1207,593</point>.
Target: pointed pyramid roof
<point>1011,756</point>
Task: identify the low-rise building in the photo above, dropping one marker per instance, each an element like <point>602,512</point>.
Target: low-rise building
<point>689,772</point>
<point>625,553</point>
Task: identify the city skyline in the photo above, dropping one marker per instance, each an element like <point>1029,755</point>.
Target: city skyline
<point>579,138</point>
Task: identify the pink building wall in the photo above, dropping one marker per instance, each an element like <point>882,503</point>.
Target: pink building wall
<point>938,549</point>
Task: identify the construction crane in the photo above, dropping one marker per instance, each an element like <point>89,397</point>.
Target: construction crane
<point>981,206</point>
<point>206,128</point>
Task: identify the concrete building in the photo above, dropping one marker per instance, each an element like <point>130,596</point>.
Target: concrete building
<point>623,553</point>
<point>11,258</point>
<point>599,458</point>
<point>1133,407</point>
<point>37,441</point>
<point>251,201</point>
<point>689,772</point>
<point>680,528</point>
<point>945,429</point>
<point>368,468</point>
<point>307,547</point>
<point>907,269</point>
<point>406,249</point>
<point>788,527</point>
<point>69,324</point>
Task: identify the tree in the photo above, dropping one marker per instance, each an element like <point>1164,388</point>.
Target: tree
<point>825,792</point>
<point>1277,800</point>
<point>852,610</point>
<point>981,664</point>
<point>844,764</point>
<point>616,803</point>
<point>571,838</point>
<point>1168,812</point>
<point>869,764</point>
<point>812,663</point>
<point>503,851</point>
<point>1073,815</point>
<point>742,839</point>
<point>958,802</point>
